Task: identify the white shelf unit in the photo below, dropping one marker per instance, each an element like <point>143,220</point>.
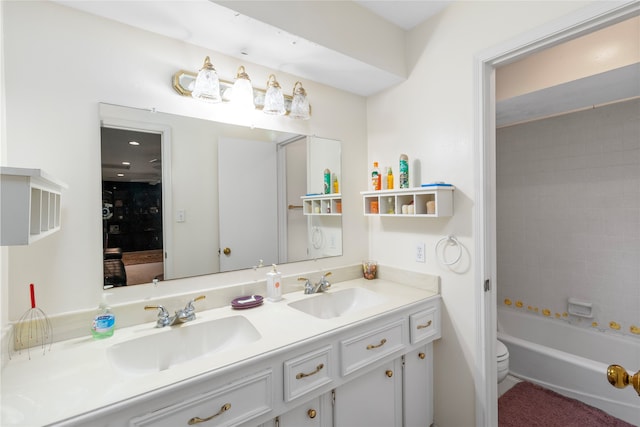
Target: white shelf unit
<point>322,204</point>
<point>31,205</point>
<point>390,202</point>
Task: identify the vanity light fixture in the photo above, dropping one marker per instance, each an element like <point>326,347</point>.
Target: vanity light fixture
<point>300,108</point>
<point>274,98</point>
<point>207,84</point>
<point>242,92</point>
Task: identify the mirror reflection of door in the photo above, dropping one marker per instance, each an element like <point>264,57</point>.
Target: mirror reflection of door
<point>247,186</point>
<point>131,206</point>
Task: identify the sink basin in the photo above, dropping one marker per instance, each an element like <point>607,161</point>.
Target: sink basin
<point>173,345</point>
<point>338,303</point>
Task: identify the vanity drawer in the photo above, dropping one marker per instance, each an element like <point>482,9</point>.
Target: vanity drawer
<point>372,345</point>
<point>233,404</point>
<point>425,324</point>
<point>307,372</point>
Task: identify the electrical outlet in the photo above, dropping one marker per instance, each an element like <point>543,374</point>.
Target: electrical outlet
<point>420,256</point>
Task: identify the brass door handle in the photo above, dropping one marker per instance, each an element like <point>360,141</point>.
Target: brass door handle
<point>620,378</point>
<point>303,375</point>
<point>226,251</point>
<point>426,325</point>
<point>372,346</point>
<point>198,420</point>
<point>312,413</point>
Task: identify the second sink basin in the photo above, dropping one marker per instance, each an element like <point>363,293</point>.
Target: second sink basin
<point>332,304</point>
<point>174,345</point>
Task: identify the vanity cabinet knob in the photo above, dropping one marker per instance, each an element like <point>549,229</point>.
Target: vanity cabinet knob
<point>226,251</point>
<point>389,373</point>
<point>312,413</point>
<point>421,355</point>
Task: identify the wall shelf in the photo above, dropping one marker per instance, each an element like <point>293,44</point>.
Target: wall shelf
<point>322,204</point>
<point>390,202</point>
<point>31,205</point>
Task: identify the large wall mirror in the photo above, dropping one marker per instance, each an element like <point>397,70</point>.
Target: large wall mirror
<point>183,197</point>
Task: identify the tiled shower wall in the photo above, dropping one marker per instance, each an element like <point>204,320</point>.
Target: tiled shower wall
<point>568,216</point>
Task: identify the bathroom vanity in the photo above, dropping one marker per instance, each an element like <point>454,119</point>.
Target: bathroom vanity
<point>357,355</point>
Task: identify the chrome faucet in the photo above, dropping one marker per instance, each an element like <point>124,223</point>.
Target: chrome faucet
<point>322,285</point>
<point>187,314</point>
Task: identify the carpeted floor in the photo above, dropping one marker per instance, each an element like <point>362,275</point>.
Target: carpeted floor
<point>529,405</point>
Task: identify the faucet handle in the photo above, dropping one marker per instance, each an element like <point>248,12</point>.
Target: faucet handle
<point>162,311</point>
<point>308,287</point>
<point>190,306</point>
<point>163,314</point>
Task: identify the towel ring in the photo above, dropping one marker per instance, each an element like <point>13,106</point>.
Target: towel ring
<point>317,238</point>
<point>451,239</point>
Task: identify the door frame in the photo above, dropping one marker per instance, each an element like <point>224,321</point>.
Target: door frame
<point>165,143</point>
<point>578,23</point>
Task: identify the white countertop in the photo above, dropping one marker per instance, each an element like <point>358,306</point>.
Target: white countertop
<point>76,377</point>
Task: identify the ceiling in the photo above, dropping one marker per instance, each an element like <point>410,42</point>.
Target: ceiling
<point>405,14</point>
<point>213,26</point>
<point>210,25</point>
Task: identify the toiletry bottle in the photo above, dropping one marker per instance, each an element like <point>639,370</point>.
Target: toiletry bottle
<point>389,179</point>
<point>104,322</point>
<point>376,182</point>
<point>403,180</point>
<point>327,181</point>
<point>336,186</point>
<point>274,285</point>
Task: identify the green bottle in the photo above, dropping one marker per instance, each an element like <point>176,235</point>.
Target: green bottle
<point>403,179</point>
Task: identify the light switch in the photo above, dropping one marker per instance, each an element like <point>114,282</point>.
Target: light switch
<point>180,215</point>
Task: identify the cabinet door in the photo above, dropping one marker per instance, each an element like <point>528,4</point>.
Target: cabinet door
<point>418,387</point>
<point>372,400</point>
<point>317,413</point>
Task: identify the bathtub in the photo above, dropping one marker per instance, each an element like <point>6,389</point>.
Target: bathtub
<point>571,360</point>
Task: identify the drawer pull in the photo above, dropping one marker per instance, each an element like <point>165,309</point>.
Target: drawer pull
<point>424,326</point>
<point>421,355</point>
<point>382,342</point>
<point>312,413</point>
<point>303,375</point>
<point>389,373</point>
<point>198,420</point>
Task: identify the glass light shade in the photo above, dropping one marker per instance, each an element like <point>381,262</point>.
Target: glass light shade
<point>207,84</point>
<point>242,96</point>
<point>274,98</point>
<point>300,108</point>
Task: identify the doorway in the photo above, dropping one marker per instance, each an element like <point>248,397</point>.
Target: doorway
<point>578,24</point>
<point>132,206</point>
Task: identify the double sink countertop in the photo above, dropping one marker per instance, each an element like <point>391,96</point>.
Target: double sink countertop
<point>81,375</point>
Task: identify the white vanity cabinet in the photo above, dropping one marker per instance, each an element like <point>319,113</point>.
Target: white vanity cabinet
<point>417,387</point>
<point>316,413</point>
<point>368,371</point>
<point>373,399</point>
<point>232,404</point>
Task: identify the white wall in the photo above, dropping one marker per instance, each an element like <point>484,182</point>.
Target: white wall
<point>59,64</point>
<point>430,118</point>
<point>568,206</point>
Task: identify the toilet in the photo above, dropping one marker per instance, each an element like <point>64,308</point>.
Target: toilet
<point>502,357</point>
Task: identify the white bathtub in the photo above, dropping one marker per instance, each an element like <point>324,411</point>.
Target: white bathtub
<point>571,360</point>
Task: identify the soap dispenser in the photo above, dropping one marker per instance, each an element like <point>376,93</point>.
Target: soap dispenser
<point>274,285</point>
<point>104,321</point>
